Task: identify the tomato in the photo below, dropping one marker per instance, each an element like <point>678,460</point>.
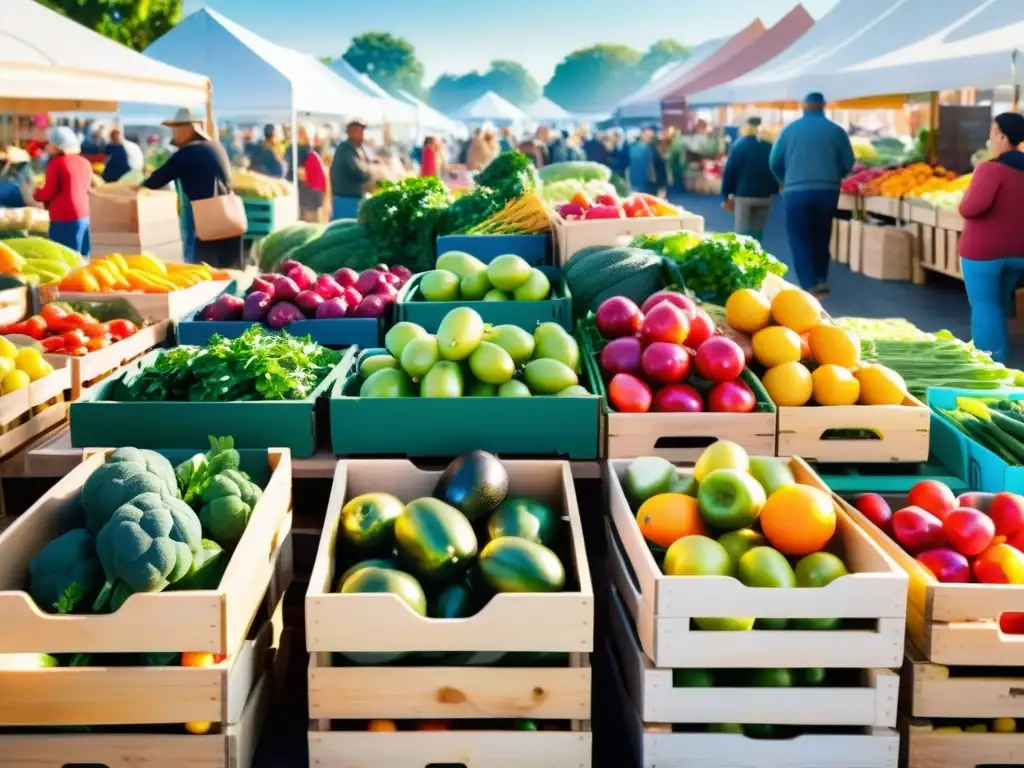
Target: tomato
<point>636,207</point>
<point>74,339</point>
<point>94,344</point>
<point>607,200</point>
<point>581,199</point>
<point>999,564</point>
<point>53,344</point>
<point>121,329</point>
<point>95,330</point>
<point>35,327</point>
<point>628,394</point>
<point>933,496</point>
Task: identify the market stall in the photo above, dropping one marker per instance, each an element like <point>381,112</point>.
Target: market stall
<point>492,108</point>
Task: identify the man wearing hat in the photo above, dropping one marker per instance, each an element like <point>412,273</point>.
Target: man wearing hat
<point>810,159</point>
<point>201,167</point>
<point>350,172</point>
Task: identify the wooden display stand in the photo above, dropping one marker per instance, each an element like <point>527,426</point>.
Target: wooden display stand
<point>173,305</point>
<point>856,245</point>
<point>572,236</point>
<point>128,221</point>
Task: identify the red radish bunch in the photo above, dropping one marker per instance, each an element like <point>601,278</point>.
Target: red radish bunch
<point>666,356</point>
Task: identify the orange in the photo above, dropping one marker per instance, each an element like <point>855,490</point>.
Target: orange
<point>776,345</point>
<point>880,385</point>
<point>788,384</point>
<point>798,519</point>
<point>747,310</point>
<point>796,309</point>
<point>668,517</point>
<point>834,385</point>
<point>382,725</point>
<point>830,345</point>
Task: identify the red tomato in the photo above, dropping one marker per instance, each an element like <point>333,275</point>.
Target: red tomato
<point>999,564</point>
<point>933,496</point>
<point>968,530</point>
<point>627,394</point>
<point>702,328</point>
<point>731,397</point>
<point>607,200</point>
<point>1007,512</point>
<point>53,314</point>
<point>74,339</point>
<point>121,329</point>
<point>876,509</point>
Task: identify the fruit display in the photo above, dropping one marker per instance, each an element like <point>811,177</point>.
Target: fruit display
<point>608,205</point>
<point>446,555</point>
<point>140,273</point>
<point>737,516</point>
<point>599,272</point>
<point>62,330</point>
<point>295,292</point>
<point>790,335</point>
<point>20,366</point>
<point>468,358</point>
<point>941,191</point>
<point>459,276</point>
<point>993,422</point>
<point>22,222</point>
<point>251,185</point>
<point>667,357</point>
<point>894,182</point>
<point>37,260</point>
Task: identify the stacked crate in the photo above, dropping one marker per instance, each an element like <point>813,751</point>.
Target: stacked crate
<point>433,713</point>
<point>654,644</point>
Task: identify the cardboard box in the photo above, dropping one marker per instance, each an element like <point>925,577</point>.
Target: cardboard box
<point>887,253</point>
<point>843,241</point>
<point>120,210</point>
<point>172,249</point>
<point>856,244</point>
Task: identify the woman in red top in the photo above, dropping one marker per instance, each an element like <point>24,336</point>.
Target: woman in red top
<point>66,191</point>
<point>992,243</point>
<point>313,178</point>
<point>429,165</point>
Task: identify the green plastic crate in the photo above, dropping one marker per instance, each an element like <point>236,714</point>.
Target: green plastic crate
<point>526,314</point>
<point>101,423</point>
<point>414,427</point>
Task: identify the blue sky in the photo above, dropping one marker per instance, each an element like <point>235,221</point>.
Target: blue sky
<point>462,35</point>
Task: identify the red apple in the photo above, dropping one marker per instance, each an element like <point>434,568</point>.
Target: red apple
<point>719,359</point>
<point>665,363</point>
<point>678,299</point>
<point>916,529</point>
<point>665,322</point>
<point>346,277</point>
<point>946,565</point>
<point>932,496</point>
<point>617,317</point>
<point>731,397</point>
<point>876,509</point>
<point>968,530</point>
<point>622,356</point>
<point>975,500</point>
<point>628,394</point>
<point>702,328</point>
<point>678,398</point>
<point>1007,512</point>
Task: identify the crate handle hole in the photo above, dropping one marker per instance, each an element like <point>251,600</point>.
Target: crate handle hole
<point>684,442</point>
<point>851,434</point>
<point>445,765</point>
<point>85,765</point>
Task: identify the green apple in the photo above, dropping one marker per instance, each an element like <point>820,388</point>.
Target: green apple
<point>729,499</point>
<point>771,473</point>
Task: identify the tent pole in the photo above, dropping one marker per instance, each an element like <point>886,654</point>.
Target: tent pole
<point>1016,85</point>
<point>211,123</point>
<point>295,155</point>
<point>933,125</point>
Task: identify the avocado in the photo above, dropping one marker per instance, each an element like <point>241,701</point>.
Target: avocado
<point>460,263</point>
<point>387,382</point>
<point>766,567</point>
<point>513,339</point>
<point>525,518</point>
<point>460,332</point>
<point>419,356</point>
<point>548,377</point>
<point>495,295</point>
<point>374,363</point>
<point>434,539</point>
<point>440,285</point>
<point>508,271</point>
<point>514,388</point>
<point>553,342</point>
<point>692,678</point>
<point>475,484</point>
<point>383,580</point>
<point>481,389</point>
<point>368,521</point>
<point>769,678</point>
<point>444,379</point>
<point>491,364</point>
<point>574,391</point>
<point>512,564</point>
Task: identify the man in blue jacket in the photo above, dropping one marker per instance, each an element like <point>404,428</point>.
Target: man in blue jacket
<point>810,159</point>
<point>747,181</point>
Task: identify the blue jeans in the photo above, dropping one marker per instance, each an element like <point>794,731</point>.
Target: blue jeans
<point>809,214</point>
<point>73,234</point>
<point>990,285</point>
<point>345,207</point>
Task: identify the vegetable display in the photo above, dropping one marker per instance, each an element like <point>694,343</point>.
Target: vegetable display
<point>507,178</point>
<point>524,215</point>
<point>20,366</point>
<point>995,423</point>
<point>459,275</point>
<point>37,260</point>
<point>141,273</point>
<point>62,330</point>
<point>608,205</point>
<point>403,218</point>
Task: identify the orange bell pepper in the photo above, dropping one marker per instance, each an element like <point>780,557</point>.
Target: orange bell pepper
<point>197,659</point>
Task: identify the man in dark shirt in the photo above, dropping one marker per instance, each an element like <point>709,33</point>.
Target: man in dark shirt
<point>267,157</point>
<point>201,167</point>
<point>350,172</point>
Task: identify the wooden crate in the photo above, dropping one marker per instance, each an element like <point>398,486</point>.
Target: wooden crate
<point>856,250</point>
<point>944,256</point>
<point>955,624</point>
<point>949,219</point>
<point>572,236</point>
<point>883,206</point>
<point>843,241</point>
<point>15,304</point>
<point>662,606</point>
<point>935,690</point>
<point>902,431</point>
<point>20,423</point>
<point>920,212</point>
<point>873,703</point>
<point>847,201</point>
<point>201,620</point>
<point>157,306</point>
<point>363,692</point>
<point>924,748</point>
<point>557,622</point>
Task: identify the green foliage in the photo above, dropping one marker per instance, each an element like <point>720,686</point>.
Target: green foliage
<point>389,60</point>
<point>135,23</point>
<point>65,572</point>
<point>664,51</point>
<point>509,175</point>
<point>228,501</point>
<point>509,79</point>
<point>403,218</point>
<point>194,474</point>
<point>594,79</point>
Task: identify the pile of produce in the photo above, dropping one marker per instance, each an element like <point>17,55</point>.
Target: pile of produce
<point>458,275</point>
<point>141,272</point>
<point>976,537</point>
<point>279,244</point>
<point>899,182</point>
<point>557,179</point>
<point>295,292</point>
<point>20,366</point>
<point>608,206</point>
<point>666,356</point>
<point>942,192</point>
<point>557,193</point>
<point>404,219</point>
<point>790,335</point>
<point>255,186</point>
<point>468,358</point>
<point>525,215</point>
<point>37,260</point>
<point>22,222</point>
<point>258,365</point>
<point>62,330</point>
<point>738,516</point>
<point>447,554</point>
<point>995,423</point>
<point>598,272</point>
<point>509,176</point>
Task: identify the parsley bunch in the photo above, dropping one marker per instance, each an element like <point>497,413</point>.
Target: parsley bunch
<point>403,218</point>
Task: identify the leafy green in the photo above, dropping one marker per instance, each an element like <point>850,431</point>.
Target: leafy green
<point>258,365</point>
<point>575,169</point>
<point>510,174</point>
<point>196,473</point>
<point>403,218</point>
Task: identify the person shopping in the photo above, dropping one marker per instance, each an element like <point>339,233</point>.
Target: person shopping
<point>350,172</point>
<point>810,159</point>
<point>201,167</point>
<point>65,193</point>
<point>312,182</point>
<point>992,243</point>
<point>747,181</point>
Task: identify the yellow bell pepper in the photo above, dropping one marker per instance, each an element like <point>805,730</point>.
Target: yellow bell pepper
<point>147,263</point>
<point>197,659</point>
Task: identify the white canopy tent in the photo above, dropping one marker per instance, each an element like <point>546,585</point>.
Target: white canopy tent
<point>645,103</point>
<point>395,110</point>
<point>544,110</point>
<point>492,108</point>
<point>432,121</point>
<point>50,63</point>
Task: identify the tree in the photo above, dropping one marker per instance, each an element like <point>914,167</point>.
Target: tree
<point>661,53</point>
<point>389,60</point>
<point>452,91</point>
<point>592,80</point>
<point>509,79</point>
<point>135,23</point>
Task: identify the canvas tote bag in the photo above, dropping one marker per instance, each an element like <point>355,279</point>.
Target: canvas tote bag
<point>220,217</point>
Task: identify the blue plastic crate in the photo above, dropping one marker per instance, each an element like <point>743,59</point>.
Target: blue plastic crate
<point>535,249</point>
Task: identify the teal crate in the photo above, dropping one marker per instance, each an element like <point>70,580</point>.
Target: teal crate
<point>414,427</point>
<point>264,216</point>
<point>101,423</point>
<point>986,471</point>
<point>526,314</point>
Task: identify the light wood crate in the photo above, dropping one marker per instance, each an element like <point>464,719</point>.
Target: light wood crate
<point>444,692</point>
<point>842,241</point>
<point>15,304</point>
<point>157,306</point>
<point>924,748</point>
<point>662,606</point>
<point>903,432</point>
<point>572,236</point>
<point>935,690</point>
<point>883,206</point>
<point>556,622</point>
<point>873,703</point>
<point>953,624</point>
<point>920,212</point>
<point>944,256</point>
<point>949,219</point>
<point>216,621</point>
<point>847,201</point>
<point>20,421</point>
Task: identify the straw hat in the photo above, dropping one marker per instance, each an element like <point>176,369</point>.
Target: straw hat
<point>185,117</point>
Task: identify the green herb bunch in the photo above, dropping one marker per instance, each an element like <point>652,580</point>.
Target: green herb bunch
<point>403,218</point>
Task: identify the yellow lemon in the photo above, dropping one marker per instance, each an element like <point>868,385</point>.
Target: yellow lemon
<point>747,310</point>
<point>788,384</point>
<point>775,345</point>
<point>7,348</point>
<point>880,385</point>
<point>830,345</point>
<point>14,381</point>
<point>31,361</point>
<point>835,385</point>
<point>796,309</point>
<point>1004,725</point>
<point>6,366</point>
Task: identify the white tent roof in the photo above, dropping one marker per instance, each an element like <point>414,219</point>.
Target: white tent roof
<point>544,110</point>
<point>396,110</point>
<point>49,62</point>
<point>491,108</point>
<point>430,119</point>
<point>645,103</point>
<point>255,79</point>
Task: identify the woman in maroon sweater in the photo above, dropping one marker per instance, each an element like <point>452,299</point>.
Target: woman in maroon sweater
<point>992,243</point>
